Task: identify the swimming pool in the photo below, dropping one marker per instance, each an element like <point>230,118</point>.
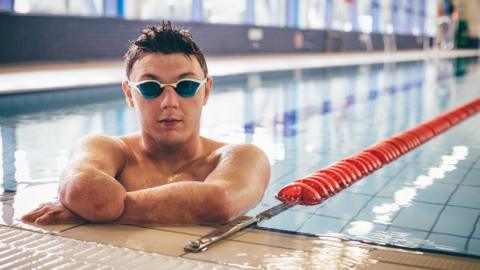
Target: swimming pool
<point>304,120</point>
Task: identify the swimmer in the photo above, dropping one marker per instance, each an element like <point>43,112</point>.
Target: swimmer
<point>166,173</point>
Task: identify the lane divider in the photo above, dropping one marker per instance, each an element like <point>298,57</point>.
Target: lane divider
<point>324,183</point>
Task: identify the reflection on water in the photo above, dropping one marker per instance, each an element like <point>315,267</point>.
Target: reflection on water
<point>316,253</point>
<point>385,212</point>
<point>404,196</point>
<point>327,253</point>
<point>302,119</point>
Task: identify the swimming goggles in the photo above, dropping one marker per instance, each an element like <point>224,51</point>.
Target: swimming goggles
<point>152,88</point>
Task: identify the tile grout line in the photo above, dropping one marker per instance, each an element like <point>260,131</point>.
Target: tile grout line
<point>446,204</point>
<point>367,244</point>
<point>73,227</point>
<point>472,232</point>
<point>375,195</point>
<point>397,226</point>
<point>476,222</point>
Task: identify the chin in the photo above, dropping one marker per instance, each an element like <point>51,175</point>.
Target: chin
<point>169,141</point>
<point>171,138</point>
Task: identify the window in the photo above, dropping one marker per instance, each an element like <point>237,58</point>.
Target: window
<point>60,7</point>
<point>221,11</point>
<point>341,16</point>
<point>365,16</point>
<point>270,12</point>
<point>386,25</point>
<point>431,18</point>
<point>312,14</point>
<point>180,10</point>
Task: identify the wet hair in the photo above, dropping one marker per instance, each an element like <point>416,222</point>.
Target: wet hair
<point>166,39</point>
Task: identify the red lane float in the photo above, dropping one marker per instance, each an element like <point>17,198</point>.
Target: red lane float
<point>326,182</point>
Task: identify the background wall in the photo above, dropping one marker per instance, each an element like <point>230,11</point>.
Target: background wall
<point>34,38</point>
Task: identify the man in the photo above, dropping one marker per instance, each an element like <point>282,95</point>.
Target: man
<point>166,173</point>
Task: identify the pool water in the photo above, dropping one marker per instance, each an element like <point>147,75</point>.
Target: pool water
<point>304,120</point>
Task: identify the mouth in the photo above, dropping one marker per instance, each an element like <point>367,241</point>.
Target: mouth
<point>169,121</point>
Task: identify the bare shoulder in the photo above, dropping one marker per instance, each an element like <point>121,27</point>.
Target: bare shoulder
<point>105,153</point>
<point>244,151</point>
<point>99,142</point>
<point>100,149</point>
<point>242,159</point>
<point>224,151</point>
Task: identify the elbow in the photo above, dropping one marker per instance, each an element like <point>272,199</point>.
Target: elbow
<point>96,200</point>
<point>221,207</point>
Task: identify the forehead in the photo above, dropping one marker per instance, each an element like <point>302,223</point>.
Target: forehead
<point>166,66</point>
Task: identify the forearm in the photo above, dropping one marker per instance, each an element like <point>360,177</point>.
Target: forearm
<point>92,195</point>
<point>178,203</point>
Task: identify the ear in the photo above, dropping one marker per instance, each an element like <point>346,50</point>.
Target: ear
<point>208,88</point>
<point>127,91</point>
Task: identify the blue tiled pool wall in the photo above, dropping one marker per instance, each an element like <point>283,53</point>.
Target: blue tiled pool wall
<point>62,100</point>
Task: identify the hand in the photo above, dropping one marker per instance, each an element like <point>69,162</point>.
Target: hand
<point>52,213</point>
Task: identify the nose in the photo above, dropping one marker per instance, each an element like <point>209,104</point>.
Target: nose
<point>169,98</point>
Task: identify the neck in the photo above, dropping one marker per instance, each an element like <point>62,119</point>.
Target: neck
<point>172,153</point>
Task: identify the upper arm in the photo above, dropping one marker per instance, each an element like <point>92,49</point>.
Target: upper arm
<point>243,171</point>
<point>97,152</point>
<point>88,186</point>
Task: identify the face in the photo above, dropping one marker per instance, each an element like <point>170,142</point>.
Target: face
<point>168,119</point>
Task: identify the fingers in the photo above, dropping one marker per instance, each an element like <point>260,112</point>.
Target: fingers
<point>57,217</point>
<point>51,213</point>
<point>33,215</point>
<point>68,217</point>
<point>44,214</point>
<point>47,219</point>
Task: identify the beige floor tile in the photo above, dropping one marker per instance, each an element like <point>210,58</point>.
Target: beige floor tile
<point>6,196</point>
<point>269,252</point>
<point>244,254</point>
<point>265,249</point>
<point>276,239</point>
<point>249,235</point>
<point>55,229</point>
<point>291,241</point>
<point>193,230</point>
<point>424,260</point>
<point>162,242</point>
<point>267,257</point>
<point>389,266</point>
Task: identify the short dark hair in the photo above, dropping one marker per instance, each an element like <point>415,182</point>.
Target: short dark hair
<point>166,39</point>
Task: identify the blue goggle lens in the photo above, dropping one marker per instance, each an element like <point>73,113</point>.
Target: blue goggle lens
<point>184,88</point>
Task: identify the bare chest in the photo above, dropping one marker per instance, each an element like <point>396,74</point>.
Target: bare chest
<point>136,176</point>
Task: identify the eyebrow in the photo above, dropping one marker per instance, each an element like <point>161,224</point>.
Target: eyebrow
<point>181,76</point>
<point>149,76</point>
<point>187,74</point>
